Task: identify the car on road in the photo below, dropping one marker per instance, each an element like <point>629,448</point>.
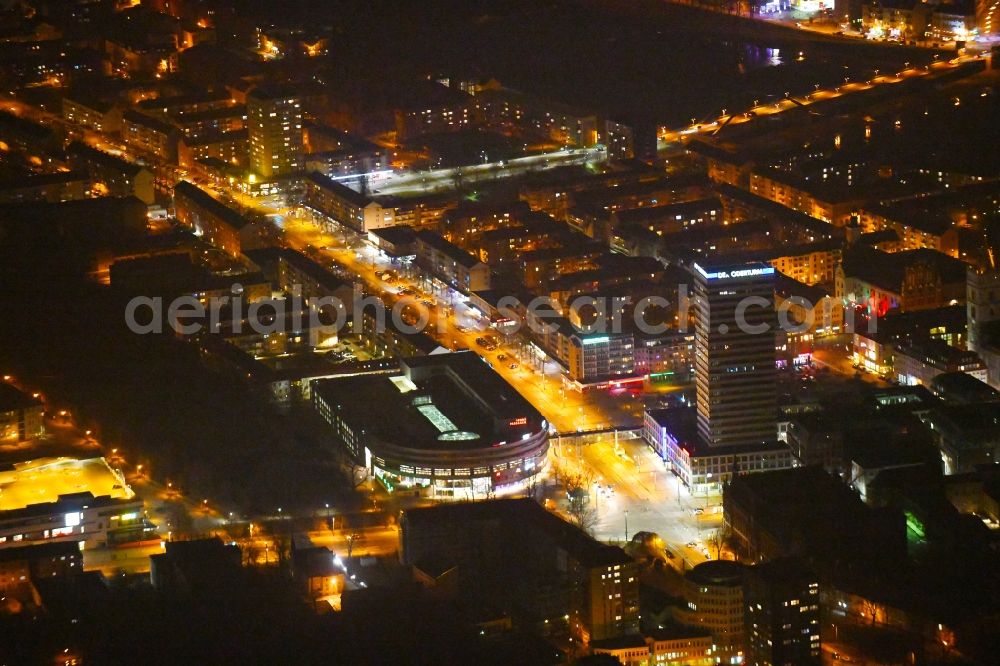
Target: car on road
<point>692,544</point>
<point>513,366</point>
<point>698,511</point>
<point>501,357</point>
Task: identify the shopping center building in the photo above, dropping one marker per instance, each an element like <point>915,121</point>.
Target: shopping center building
<point>446,425</point>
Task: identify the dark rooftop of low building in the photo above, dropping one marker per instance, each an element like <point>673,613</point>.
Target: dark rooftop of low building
<point>937,352</point>
<point>175,101</point>
<point>400,234</point>
<point>718,572</point>
<point>12,398</point>
<point>682,424</point>
<point>787,287</point>
<point>652,214</point>
<point>619,643</point>
<point>977,421</point>
<point>527,516</point>
<point>433,396</point>
<point>41,180</point>
<point>269,91</point>
<point>353,197</point>
<point>172,274</point>
<point>228,111</point>
<point>40,551</point>
<point>87,153</point>
<point>149,122</point>
<point>446,247</point>
<point>961,387</point>
<point>887,269</point>
<point>202,198</point>
<point>89,100</point>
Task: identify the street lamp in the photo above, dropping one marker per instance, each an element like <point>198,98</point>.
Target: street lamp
<point>626,524</point>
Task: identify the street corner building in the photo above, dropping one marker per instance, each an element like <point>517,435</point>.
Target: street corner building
<point>444,425</point>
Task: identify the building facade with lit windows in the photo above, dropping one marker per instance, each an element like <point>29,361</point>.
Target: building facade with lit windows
<point>92,113</point>
<point>733,427</point>
<point>48,187</point>
<point>446,426</point>
<point>809,264</point>
<point>344,205</point>
<point>514,555</point>
<point>982,303</point>
<point>920,361</point>
<point>274,124</point>
<point>112,174</point>
<point>735,362</point>
<point>672,433</point>
<point>42,503</point>
<point>676,646</point>
<point>908,280</point>
<point>230,148</point>
<point>94,522</point>
<point>782,614</point>
<point>21,567</point>
<point>149,135</point>
<point>450,263</point>
<point>220,225</point>
<point>713,593</point>
<point>804,197</point>
<point>874,340</point>
<point>22,417</point>
<point>601,358</point>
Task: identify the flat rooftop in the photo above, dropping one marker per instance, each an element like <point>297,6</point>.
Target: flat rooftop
<point>682,424</point>
<point>522,518</point>
<point>451,401</point>
<point>12,398</point>
<point>44,480</point>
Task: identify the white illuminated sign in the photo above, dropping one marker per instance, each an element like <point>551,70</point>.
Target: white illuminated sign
<point>735,273</point>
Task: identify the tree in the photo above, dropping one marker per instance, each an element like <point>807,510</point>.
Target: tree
<point>717,539</point>
<point>869,609</point>
<point>583,516</point>
<point>533,488</point>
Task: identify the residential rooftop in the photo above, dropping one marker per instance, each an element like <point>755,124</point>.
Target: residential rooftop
<point>527,516</point>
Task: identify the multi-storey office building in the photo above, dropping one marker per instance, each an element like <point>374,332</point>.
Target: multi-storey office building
<point>735,354</point>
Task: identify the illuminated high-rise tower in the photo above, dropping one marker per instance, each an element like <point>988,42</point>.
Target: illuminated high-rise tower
<point>735,354</point>
<point>274,124</point>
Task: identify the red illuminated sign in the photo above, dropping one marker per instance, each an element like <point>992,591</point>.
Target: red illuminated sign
<point>518,421</point>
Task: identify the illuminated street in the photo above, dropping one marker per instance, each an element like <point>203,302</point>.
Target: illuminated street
<point>268,393</point>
